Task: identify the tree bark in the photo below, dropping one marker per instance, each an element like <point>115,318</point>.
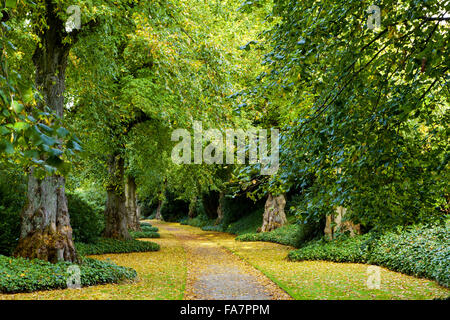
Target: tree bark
<point>158,211</point>
<point>116,213</point>
<point>335,224</point>
<point>192,205</point>
<point>210,203</point>
<point>45,231</point>
<point>131,205</point>
<point>220,209</point>
<point>274,216</point>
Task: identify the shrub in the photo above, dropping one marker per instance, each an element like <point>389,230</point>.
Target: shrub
<point>144,234</point>
<point>86,219</point>
<point>247,224</point>
<point>105,245</point>
<point>344,249</point>
<point>200,221</point>
<point>217,228</point>
<point>149,228</point>
<point>422,251</point>
<point>293,234</point>
<point>240,206</point>
<point>23,275</point>
<point>145,224</point>
<point>173,209</point>
<point>12,199</point>
<point>290,235</point>
<point>9,230</point>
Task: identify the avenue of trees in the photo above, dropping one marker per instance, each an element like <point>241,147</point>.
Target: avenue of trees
<point>363,113</point>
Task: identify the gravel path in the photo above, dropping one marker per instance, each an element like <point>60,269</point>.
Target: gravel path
<point>214,273</point>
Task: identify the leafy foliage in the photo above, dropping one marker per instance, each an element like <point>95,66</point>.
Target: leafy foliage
<point>12,199</point>
<point>345,249</point>
<point>363,112</point>
<point>105,245</point>
<point>23,275</point>
<point>293,235</point>
<point>87,221</point>
<point>31,133</point>
<point>422,251</point>
<point>144,234</point>
<point>149,228</point>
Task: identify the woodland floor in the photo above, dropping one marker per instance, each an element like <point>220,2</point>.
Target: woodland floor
<point>196,264</point>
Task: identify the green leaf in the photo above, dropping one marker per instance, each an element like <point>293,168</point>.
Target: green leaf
<point>16,106</point>
<point>11,4</point>
<point>49,141</point>
<point>45,128</point>
<point>20,126</point>
<point>6,146</point>
<point>62,132</point>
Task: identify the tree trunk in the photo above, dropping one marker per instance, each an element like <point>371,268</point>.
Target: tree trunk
<point>158,211</point>
<point>220,209</point>
<point>210,203</point>
<point>335,224</point>
<point>192,205</point>
<point>115,212</point>
<point>131,205</point>
<point>46,232</point>
<point>274,216</point>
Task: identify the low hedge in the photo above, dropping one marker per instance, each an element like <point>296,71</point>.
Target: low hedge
<point>144,234</point>
<point>217,228</point>
<point>105,245</point>
<point>344,249</point>
<point>291,235</point>
<point>421,251</point>
<point>149,228</point>
<point>145,224</point>
<point>23,275</point>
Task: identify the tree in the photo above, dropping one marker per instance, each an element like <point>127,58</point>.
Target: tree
<point>46,233</point>
<point>372,102</point>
